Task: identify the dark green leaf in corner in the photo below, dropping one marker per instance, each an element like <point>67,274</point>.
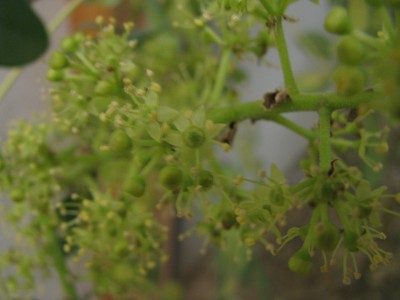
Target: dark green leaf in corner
<point>23,37</point>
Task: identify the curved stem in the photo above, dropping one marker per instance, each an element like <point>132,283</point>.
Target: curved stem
<point>369,40</point>
<point>14,73</point>
<point>308,134</point>
<point>285,59</point>
<point>221,75</point>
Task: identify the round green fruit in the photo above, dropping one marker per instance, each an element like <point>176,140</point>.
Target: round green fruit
<point>301,262</point>
<point>55,75</point>
<point>136,186</point>
<point>350,51</point>
<point>171,177</point>
<point>69,44</point>
<point>104,88</point>
<point>349,80</point>
<point>338,21</point>
<point>194,137</point>
<point>327,236</point>
<point>58,61</point>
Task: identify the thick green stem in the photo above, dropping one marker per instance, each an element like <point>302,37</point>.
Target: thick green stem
<point>58,256</point>
<point>255,110</point>
<point>14,73</point>
<point>268,6</point>
<point>324,139</point>
<point>221,75</point>
<point>285,59</point>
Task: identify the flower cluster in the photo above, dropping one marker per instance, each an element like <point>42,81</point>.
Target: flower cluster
<point>135,122</point>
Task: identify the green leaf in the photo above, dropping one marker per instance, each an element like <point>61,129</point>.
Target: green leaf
<point>154,130</point>
<point>23,37</point>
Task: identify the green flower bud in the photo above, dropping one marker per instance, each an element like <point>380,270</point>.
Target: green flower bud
<point>338,21</point>
<point>301,262</point>
<point>194,137</point>
<point>171,177</point>
<point>326,237</point>
<point>120,141</point>
<point>136,186</point>
<point>349,80</point>
<point>58,61</point>
<point>350,51</point>
<point>55,75</point>
<point>104,88</point>
<point>205,179</point>
<point>69,44</point>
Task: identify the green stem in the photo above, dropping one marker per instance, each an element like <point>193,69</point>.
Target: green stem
<point>215,37</point>
<point>308,134</point>
<point>312,224</point>
<point>221,75</point>
<point>268,6</point>
<point>344,143</point>
<point>285,59</point>
<point>369,40</point>
<point>388,25</point>
<point>341,211</point>
<point>324,139</point>
<point>303,102</point>
<point>87,63</point>
<point>324,212</point>
<point>58,256</point>
<point>14,73</point>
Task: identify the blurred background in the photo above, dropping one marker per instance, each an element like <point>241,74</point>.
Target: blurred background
<point>214,275</point>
